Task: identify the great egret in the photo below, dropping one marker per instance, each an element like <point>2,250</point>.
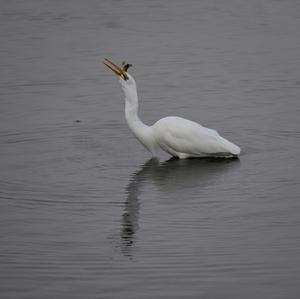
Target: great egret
<point>177,136</point>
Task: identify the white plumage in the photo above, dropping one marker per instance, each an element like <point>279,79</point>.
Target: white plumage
<point>184,138</point>
<point>177,136</point>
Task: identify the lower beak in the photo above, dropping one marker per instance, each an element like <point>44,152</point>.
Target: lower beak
<point>116,69</point>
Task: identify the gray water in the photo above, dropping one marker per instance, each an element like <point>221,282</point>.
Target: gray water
<point>85,212</point>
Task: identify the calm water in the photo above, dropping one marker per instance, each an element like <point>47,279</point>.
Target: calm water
<point>85,214</point>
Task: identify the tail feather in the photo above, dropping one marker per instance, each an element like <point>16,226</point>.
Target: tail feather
<point>231,147</point>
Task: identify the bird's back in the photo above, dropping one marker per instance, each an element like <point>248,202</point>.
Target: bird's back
<point>184,138</point>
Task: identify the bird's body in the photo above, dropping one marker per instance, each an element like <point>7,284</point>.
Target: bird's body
<point>177,136</point>
<point>184,138</point>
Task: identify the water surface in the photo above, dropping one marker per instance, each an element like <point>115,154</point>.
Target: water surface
<point>86,213</point>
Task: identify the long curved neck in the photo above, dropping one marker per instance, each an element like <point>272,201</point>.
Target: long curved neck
<point>141,131</point>
<point>132,117</point>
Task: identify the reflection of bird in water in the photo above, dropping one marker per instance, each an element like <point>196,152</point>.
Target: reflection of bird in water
<point>131,210</point>
<point>173,174</point>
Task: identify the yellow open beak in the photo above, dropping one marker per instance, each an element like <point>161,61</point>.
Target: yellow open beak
<point>116,69</point>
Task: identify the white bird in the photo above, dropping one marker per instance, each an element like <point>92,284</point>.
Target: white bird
<point>180,137</point>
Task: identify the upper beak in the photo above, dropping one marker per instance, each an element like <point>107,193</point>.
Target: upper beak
<point>116,69</point>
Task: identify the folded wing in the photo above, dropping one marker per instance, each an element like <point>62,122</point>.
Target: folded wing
<point>181,136</point>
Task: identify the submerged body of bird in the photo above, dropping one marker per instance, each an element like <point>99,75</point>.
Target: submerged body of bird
<point>177,136</point>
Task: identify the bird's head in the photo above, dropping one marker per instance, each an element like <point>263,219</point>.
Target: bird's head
<point>126,80</point>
